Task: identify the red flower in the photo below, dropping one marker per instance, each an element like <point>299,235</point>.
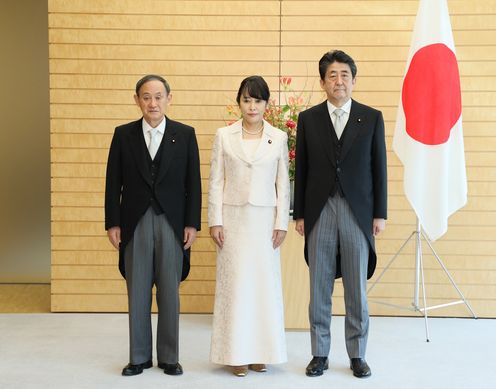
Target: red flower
<point>285,81</point>
<point>291,124</point>
<point>292,154</point>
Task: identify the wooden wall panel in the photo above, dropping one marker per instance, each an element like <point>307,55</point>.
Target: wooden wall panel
<point>98,50</point>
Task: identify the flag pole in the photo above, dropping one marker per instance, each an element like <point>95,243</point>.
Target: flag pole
<point>418,234</point>
<point>418,263</point>
<point>419,276</point>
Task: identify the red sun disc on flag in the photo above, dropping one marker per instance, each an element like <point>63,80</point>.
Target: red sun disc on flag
<point>431,94</point>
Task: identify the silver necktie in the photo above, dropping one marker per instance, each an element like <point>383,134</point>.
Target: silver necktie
<point>153,144</point>
<point>339,122</point>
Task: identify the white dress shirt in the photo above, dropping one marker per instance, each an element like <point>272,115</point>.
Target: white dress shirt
<point>250,146</point>
<point>160,129</point>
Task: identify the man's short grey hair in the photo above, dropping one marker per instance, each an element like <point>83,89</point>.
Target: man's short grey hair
<point>152,77</point>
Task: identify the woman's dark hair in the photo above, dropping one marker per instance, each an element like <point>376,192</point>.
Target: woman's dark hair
<point>253,86</point>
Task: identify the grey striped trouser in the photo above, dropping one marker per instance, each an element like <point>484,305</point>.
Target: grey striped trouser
<point>338,226</point>
<point>153,256</point>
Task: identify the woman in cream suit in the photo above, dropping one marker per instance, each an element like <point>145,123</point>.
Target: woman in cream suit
<point>248,212</point>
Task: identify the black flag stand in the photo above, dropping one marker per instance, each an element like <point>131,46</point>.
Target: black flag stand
<point>420,281</point>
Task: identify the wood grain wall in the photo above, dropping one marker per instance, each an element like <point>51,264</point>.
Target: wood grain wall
<point>99,49</point>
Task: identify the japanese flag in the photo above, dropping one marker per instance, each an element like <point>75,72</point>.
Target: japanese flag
<point>428,137</point>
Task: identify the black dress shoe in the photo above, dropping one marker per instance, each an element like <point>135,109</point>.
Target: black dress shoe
<point>360,368</point>
<point>317,366</point>
<point>171,368</point>
<point>131,369</point>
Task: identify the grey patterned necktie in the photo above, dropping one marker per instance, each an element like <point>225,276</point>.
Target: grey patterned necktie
<point>338,121</point>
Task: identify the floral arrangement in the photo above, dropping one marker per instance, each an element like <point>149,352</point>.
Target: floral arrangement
<point>283,116</point>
